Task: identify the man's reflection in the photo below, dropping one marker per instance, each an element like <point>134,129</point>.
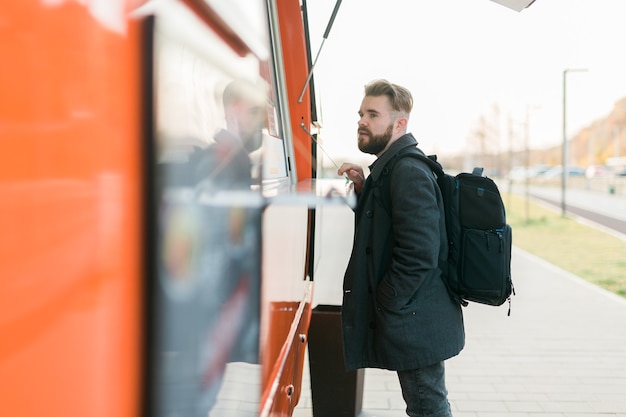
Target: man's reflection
<point>210,261</point>
<point>226,164</point>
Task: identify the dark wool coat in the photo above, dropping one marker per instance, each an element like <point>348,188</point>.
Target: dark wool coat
<point>396,311</point>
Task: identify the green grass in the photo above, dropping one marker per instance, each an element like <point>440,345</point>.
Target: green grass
<point>585,251</point>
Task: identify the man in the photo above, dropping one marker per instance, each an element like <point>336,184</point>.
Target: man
<point>210,260</point>
<point>226,164</point>
<point>396,311</point>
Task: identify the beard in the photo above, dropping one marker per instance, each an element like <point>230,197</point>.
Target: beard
<point>376,143</point>
<point>251,135</point>
<point>252,140</point>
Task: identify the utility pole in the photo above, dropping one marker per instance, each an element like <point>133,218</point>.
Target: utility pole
<point>527,164</point>
<point>564,156</point>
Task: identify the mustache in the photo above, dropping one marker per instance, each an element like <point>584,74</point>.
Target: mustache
<point>364,130</point>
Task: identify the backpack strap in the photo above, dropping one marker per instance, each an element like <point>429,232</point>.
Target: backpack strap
<point>430,160</point>
<point>442,179</point>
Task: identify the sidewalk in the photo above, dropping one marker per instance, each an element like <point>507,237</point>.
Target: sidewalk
<point>561,353</point>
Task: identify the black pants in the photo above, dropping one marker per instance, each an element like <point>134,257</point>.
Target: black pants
<point>424,391</point>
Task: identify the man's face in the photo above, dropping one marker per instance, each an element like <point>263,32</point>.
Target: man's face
<point>375,125</point>
<point>249,122</point>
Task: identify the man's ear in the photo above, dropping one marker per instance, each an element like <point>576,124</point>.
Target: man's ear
<point>401,123</point>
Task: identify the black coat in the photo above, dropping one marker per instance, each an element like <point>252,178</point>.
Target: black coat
<point>396,312</point>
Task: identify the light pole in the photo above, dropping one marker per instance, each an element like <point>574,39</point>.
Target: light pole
<point>564,157</point>
<point>527,158</point>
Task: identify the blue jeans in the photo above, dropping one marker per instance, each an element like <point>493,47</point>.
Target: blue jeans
<point>424,391</point>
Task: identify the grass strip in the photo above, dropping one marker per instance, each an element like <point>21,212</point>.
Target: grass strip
<point>583,250</point>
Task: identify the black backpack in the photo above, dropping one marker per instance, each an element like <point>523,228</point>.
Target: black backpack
<point>478,266</point>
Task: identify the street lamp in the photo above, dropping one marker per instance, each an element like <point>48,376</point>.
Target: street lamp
<point>527,157</point>
<point>564,157</point>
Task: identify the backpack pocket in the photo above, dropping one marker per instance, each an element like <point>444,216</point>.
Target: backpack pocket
<point>480,204</point>
<point>486,266</point>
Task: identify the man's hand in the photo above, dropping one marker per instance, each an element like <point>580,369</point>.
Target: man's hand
<point>354,173</point>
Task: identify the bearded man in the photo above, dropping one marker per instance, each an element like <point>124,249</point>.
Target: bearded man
<point>396,311</point>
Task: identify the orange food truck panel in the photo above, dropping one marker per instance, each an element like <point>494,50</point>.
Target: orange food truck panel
<point>70,167</point>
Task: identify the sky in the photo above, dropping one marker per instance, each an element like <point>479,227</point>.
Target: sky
<point>467,59</point>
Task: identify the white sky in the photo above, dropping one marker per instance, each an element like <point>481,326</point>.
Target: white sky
<point>462,58</point>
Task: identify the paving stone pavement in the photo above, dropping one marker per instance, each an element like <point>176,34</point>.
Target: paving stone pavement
<point>561,353</point>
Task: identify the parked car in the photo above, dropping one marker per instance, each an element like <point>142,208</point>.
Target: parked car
<point>557,171</point>
<point>594,171</point>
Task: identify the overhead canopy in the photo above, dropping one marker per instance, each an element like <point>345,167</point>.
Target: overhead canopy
<point>517,5</point>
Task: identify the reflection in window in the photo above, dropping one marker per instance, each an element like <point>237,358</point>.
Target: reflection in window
<point>214,113</point>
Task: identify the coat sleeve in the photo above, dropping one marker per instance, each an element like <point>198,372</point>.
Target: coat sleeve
<point>416,239</point>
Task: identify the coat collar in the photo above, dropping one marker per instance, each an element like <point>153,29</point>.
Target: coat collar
<point>405,141</point>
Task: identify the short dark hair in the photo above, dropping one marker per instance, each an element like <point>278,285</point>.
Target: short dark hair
<point>400,98</point>
<point>242,89</point>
